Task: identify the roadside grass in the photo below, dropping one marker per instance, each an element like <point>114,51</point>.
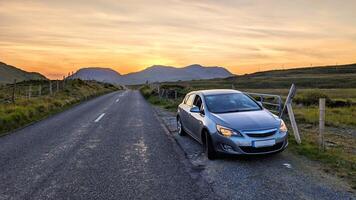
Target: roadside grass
<point>26,111</point>
<point>150,96</point>
<point>338,117</point>
<point>339,157</point>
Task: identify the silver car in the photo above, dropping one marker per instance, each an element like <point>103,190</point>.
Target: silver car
<point>231,122</point>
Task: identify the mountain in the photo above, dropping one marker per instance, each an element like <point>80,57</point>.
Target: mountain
<point>8,73</point>
<point>156,73</point>
<point>99,74</point>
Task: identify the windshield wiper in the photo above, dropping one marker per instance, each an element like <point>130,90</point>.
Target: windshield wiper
<point>232,111</point>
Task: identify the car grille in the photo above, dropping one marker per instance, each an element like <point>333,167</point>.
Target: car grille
<point>259,135</point>
<point>262,149</point>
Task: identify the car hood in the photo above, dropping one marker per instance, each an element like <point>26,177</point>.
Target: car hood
<point>250,120</point>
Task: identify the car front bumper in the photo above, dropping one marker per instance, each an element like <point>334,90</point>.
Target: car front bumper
<point>244,145</point>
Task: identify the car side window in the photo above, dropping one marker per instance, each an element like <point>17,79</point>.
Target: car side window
<point>197,101</point>
<point>190,100</point>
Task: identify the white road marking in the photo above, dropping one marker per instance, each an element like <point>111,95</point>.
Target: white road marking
<point>289,166</point>
<point>99,118</point>
<point>117,100</point>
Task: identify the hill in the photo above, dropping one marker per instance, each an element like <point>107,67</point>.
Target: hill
<point>159,73</point>
<point>156,73</point>
<point>8,73</point>
<point>334,76</point>
<point>106,75</point>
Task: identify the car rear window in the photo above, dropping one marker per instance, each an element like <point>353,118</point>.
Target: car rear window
<point>235,102</point>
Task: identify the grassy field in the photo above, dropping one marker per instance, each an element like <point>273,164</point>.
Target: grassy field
<point>335,83</point>
<point>26,110</point>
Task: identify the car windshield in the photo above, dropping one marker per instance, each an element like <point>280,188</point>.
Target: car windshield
<point>235,102</point>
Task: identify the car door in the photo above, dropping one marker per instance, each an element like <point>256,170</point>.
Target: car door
<point>196,119</point>
<point>186,115</point>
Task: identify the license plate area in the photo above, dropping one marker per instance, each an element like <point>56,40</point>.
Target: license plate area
<point>263,143</point>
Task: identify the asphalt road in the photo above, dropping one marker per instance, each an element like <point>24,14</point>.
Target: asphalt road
<point>111,147</point>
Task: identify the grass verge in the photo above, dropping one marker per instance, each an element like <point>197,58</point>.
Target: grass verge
<point>338,158</point>
<point>25,111</point>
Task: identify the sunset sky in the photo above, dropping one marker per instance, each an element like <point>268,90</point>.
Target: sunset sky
<point>59,36</point>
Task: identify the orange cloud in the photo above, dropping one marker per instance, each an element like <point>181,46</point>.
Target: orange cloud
<point>57,37</point>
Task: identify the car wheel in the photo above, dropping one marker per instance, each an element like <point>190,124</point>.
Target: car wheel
<point>180,128</point>
<point>209,148</point>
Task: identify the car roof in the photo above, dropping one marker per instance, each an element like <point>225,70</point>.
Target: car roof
<point>215,91</point>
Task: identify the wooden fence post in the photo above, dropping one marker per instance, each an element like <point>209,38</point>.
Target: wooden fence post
<point>64,82</point>
<point>13,92</point>
<point>288,105</point>
<point>29,91</point>
<point>40,90</point>
<point>159,91</point>
<point>293,123</point>
<point>321,123</point>
<point>50,87</point>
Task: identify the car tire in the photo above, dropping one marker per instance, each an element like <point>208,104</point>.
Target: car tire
<point>180,128</point>
<point>209,148</point>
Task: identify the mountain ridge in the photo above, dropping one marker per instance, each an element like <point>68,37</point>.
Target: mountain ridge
<point>9,73</point>
<point>154,73</point>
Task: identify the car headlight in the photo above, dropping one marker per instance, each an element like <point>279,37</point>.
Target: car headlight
<point>283,127</point>
<point>227,132</point>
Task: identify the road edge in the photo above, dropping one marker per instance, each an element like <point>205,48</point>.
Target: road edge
<point>192,170</point>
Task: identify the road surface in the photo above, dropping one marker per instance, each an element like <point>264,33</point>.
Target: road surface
<point>111,147</point>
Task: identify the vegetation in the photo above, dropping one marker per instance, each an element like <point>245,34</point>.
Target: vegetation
<point>26,110</point>
<point>154,99</point>
<point>335,83</point>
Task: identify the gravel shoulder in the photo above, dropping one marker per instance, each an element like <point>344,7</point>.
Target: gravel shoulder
<point>279,176</point>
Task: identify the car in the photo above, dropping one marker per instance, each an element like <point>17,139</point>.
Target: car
<point>230,122</point>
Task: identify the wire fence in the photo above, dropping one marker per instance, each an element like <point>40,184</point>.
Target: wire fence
<point>10,93</point>
<point>269,101</point>
<point>167,93</point>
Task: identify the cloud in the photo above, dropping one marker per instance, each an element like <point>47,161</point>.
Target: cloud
<point>53,36</point>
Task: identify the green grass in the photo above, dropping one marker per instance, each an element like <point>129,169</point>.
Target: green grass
<point>168,104</point>
<point>338,117</point>
<point>25,111</point>
<point>338,159</point>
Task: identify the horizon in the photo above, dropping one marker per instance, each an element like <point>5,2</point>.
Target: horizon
<point>54,38</point>
<point>177,67</point>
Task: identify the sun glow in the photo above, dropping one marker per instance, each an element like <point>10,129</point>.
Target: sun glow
<point>57,37</point>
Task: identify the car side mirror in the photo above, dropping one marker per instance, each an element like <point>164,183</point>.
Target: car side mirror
<point>195,109</point>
